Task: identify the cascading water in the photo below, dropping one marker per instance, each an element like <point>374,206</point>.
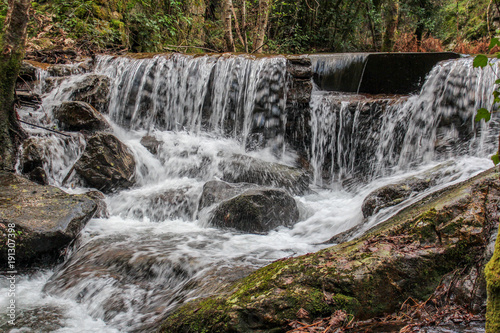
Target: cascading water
<point>399,132</point>
<point>156,250</point>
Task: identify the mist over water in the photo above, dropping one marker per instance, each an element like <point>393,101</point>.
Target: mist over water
<point>128,271</point>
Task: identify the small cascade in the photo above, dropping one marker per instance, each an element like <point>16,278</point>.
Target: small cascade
<point>383,134</point>
<point>233,96</point>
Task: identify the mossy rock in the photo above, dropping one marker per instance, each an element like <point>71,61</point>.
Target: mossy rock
<point>492,273</point>
<point>367,277</point>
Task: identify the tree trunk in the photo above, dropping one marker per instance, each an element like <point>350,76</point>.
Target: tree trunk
<point>391,24</point>
<point>12,42</point>
<point>228,28</point>
<point>260,29</point>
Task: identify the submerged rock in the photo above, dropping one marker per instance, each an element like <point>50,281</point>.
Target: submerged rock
<point>393,194</point>
<point>106,164</point>
<point>151,143</point>
<point>406,256</point>
<point>79,116</point>
<point>256,211</point>
<point>42,219</point>
<point>163,205</point>
<point>216,191</point>
<point>246,169</point>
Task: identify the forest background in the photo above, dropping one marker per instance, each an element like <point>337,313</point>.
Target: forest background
<point>261,26</point>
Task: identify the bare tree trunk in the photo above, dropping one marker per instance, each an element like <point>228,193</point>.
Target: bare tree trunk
<point>236,25</point>
<point>391,24</point>
<point>12,41</point>
<point>244,23</point>
<point>228,28</point>
<point>261,28</point>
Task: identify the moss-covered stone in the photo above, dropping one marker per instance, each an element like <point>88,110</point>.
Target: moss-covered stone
<point>406,256</point>
<point>492,273</point>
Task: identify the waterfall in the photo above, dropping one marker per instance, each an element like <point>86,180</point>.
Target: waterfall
<point>394,133</point>
<point>126,273</point>
<point>233,96</point>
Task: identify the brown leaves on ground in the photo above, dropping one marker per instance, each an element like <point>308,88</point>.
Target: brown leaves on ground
<point>336,321</point>
<point>412,318</point>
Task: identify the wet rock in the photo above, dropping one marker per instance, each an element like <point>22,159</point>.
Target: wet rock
<point>106,164</point>
<point>151,143</point>
<point>102,208</point>
<point>39,176</point>
<point>28,71</point>
<point>246,169</point>
<point>299,91</point>
<point>161,206</point>
<point>299,67</point>
<point>61,70</point>
<point>93,89</point>
<point>31,162</point>
<point>216,191</point>
<point>256,211</point>
<point>52,82</point>
<point>405,256</point>
<point>79,116</point>
<point>43,219</point>
<point>393,194</point>
<point>31,156</point>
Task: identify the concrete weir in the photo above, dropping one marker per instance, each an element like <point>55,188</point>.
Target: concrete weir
<point>375,73</point>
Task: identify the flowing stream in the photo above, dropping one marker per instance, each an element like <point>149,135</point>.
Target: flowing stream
<point>129,271</point>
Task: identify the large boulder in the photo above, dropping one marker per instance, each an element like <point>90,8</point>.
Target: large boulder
<point>79,116</point>
<point>37,222</point>
<point>93,89</point>
<point>256,211</point>
<point>106,164</point>
<point>246,169</point>
<point>406,256</point>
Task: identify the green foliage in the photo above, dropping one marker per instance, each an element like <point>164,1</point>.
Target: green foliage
<point>481,61</point>
<point>3,12</point>
<point>295,26</point>
<point>464,20</point>
<point>483,114</point>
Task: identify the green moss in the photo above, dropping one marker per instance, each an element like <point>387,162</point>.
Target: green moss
<point>492,273</point>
